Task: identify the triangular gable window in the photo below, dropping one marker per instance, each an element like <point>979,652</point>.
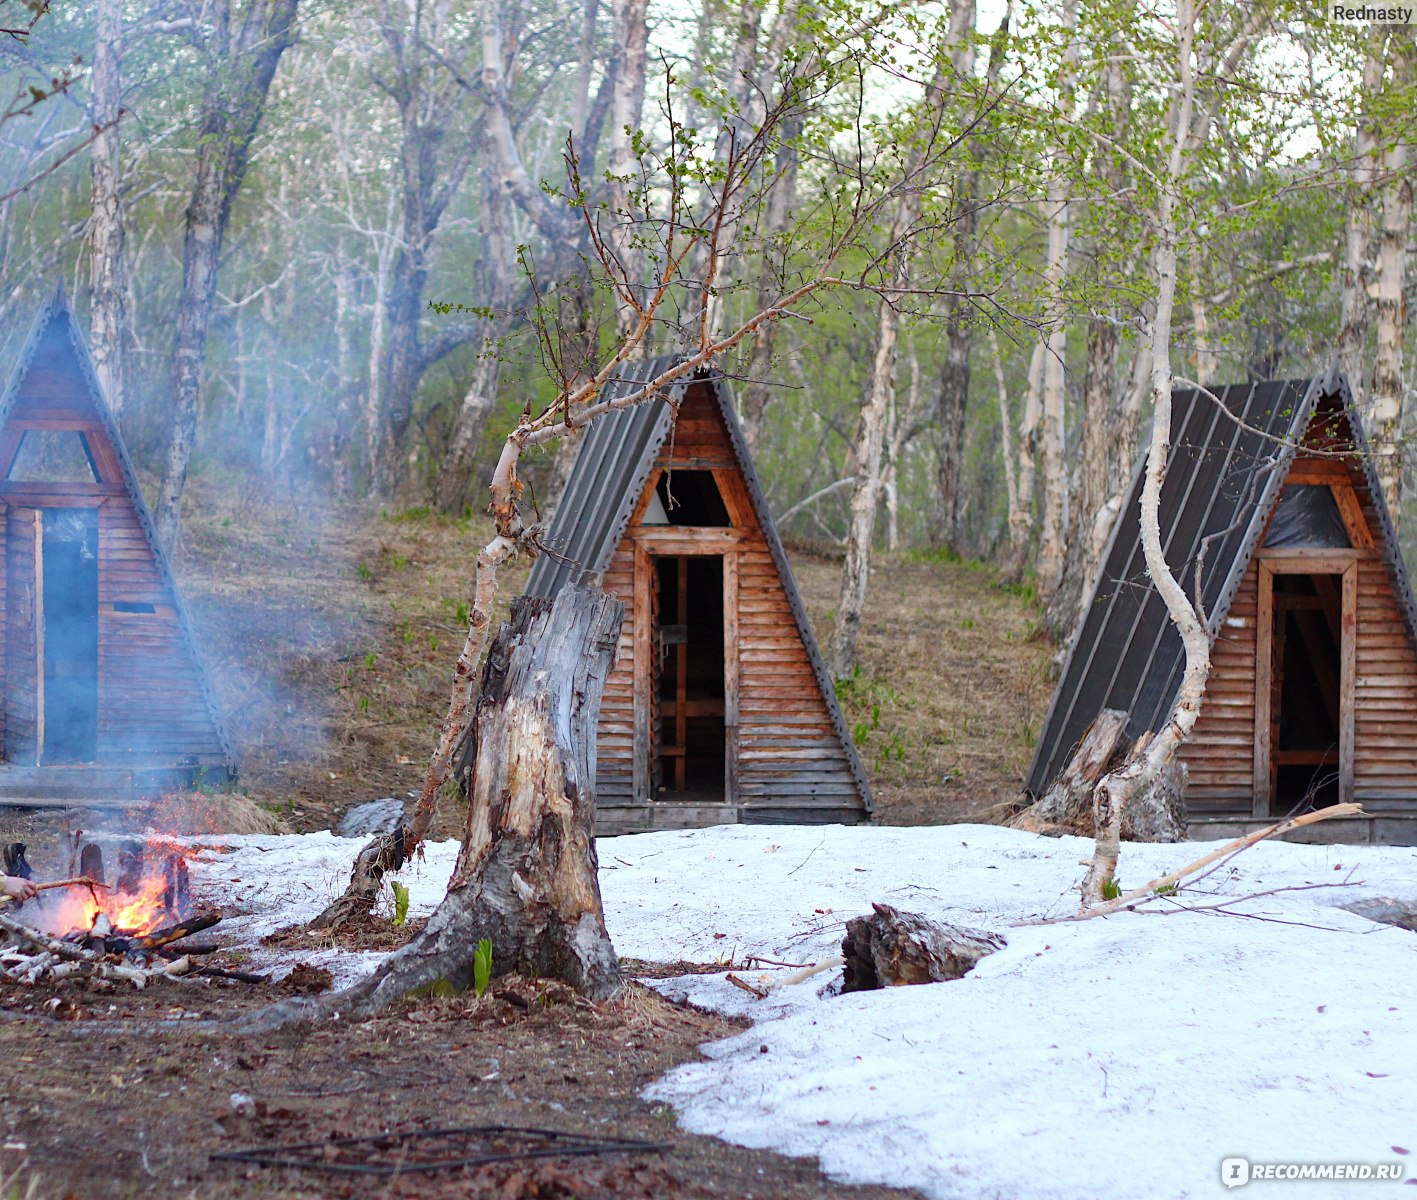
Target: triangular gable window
<point>688,497</point>
<point>53,456</point>
<point>1307,515</point>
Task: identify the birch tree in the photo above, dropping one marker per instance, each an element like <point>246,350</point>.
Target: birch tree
<point>108,283</point>
<point>1388,389</point>
<point>241,44</point>
<point>918,162</point>
<point>1212,50</point>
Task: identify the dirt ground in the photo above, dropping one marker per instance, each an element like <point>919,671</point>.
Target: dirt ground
<point>98,1105</point>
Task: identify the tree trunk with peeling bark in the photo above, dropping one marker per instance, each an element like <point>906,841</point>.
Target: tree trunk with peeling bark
<point>525,878</point>
<point>626,105</point>
<point>866,496</point>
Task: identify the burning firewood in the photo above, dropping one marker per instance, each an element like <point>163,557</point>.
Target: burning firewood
<point>171,933</point>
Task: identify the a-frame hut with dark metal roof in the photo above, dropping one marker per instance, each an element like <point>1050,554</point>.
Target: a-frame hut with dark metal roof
<point>1312,696</point>
<point>718,708</point>
<point>104,696</point>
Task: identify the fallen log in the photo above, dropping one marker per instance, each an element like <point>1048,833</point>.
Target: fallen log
<point>171,933</point>
<point>890,948</point>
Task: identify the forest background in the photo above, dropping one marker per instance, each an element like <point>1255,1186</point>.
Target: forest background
<point>331,250</point>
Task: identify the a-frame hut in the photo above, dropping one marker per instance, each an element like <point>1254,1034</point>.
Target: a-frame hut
<point>718,708</point>
<point>104,697</point>
<point>1312,697</point>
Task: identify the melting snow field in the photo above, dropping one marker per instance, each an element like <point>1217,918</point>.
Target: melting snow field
<point>1122,1057</point>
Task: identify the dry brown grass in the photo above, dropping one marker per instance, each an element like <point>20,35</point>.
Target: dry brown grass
<point>951,686</point>
<point>331,632</point>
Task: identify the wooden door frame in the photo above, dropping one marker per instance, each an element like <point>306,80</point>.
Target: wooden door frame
<point>1343,563</point>
<point>682,541</point>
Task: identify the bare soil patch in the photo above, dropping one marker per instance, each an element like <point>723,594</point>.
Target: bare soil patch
<point>97,1108</point>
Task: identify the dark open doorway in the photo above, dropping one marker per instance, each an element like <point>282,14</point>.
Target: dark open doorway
<point>689,684</point>
<point>1307,716</point>
<point>69,642</point>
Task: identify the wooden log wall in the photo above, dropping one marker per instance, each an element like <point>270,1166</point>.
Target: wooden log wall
<point>785,761</point>
<point>1385,715</point>
<point>152,705</point>
<point>1219,754</point>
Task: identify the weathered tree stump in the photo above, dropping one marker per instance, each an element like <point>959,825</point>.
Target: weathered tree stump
<point>1157,814</point>
<point>525,878</point>
<point>890,948</point>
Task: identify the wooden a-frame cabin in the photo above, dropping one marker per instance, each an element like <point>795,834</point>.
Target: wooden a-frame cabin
<point>718,708</point>
<point>1312,696</point>
<point>104,696</point>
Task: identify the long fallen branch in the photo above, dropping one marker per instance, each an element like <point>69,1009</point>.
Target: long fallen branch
<point>1149,891</point>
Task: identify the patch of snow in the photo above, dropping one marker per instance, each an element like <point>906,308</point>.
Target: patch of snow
<point>1118,1057</point>
<point>265,882</point>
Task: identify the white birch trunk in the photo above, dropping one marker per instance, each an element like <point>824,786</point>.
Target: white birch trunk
<point>1054,525</point>
<point>865,497</point>
<point>1387,393</point>
<point>626,106</point>
<point>1021,511</point>
<point>1358,228</point>
<point>108,286</point>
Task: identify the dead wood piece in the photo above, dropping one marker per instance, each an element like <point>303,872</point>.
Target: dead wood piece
<point>526,877</point>
<point>891,948</point>
<point>377,859</point>
<point>171,933</point>
<point>1166,884</point>
<point>1156,814</point>
<point>1067,805</point>
<point>229,973</point>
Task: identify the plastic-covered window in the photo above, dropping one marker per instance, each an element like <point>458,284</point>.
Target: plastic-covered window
<point>1307,515</point>
<point>53,456</point>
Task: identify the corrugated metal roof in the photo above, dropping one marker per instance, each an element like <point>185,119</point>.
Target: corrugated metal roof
<point>58,306</point>
<point>611,470</point>
<point>1224,478</point>
<point>610,474</point>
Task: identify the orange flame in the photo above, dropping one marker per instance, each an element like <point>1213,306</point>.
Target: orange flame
<point>131,912</point>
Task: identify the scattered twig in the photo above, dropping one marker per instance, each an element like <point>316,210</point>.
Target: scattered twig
<point>747,987</point>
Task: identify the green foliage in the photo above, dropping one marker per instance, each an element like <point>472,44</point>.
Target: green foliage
<point>482,966</point>
<point>438,989</point>
<point>1111,889</point>
<point>363,573</point>
<point>400,902</point>
<point>369,661</point>
<point>1168,889</point>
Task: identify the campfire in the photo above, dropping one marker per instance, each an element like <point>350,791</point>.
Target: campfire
<point>118,915</point>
